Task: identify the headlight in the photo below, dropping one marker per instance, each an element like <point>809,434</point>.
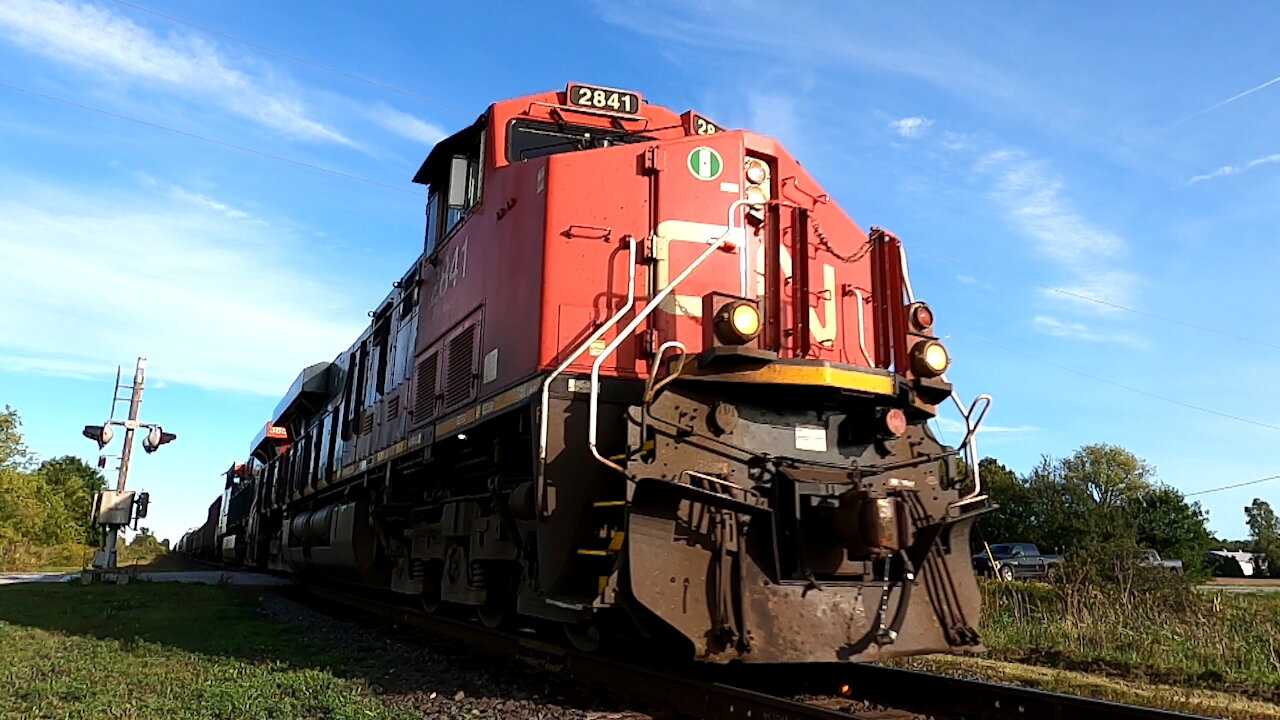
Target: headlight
<point>737,322</point>
<point>757,195</point>
<point>756,171</point>
<point>929,358</point>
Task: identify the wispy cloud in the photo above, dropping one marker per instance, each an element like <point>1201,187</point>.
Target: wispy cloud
<point>55,367</point>
<point>114,46</point>
<point>774,114</point>
<point>971,280</point>
<point>911,127</point>
<point>1079,331</point>
<point>207,202</point>
<point>1226,170</point>
<point>88,280</point>
<point>406,125</point>
<point>816,37</point>
<point>1036,202</point>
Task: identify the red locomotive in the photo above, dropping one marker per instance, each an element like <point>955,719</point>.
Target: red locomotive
<point>646,376</point>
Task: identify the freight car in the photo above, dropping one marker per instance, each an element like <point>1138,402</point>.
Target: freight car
<point>222,537</point>
<point>202,542</point>
<point>646,378</point>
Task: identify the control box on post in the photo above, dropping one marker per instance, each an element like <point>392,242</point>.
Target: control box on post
<point>113,507</point>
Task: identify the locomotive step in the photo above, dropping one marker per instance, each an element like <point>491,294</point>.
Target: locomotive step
<point>615,544</point>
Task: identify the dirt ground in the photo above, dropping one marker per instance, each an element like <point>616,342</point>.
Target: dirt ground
<point>1246,582</point>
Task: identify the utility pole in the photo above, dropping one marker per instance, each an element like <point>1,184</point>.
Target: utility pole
<point>116,509</point>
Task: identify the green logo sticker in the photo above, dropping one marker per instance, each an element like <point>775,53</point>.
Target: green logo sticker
<point>705,163</point>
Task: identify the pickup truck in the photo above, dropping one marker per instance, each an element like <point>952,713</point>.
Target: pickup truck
<point>1151,558</point>
<point>1015,561</point>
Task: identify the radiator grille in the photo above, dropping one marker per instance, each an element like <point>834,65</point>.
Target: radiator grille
<point>424,405</point>
<point>460,371</point>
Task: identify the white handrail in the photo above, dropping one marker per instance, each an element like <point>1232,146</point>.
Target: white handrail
<point>970,442</point>
<point>649,308</point>
<point>572,358</point>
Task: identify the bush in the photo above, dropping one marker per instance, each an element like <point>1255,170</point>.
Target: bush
<point>19,557</point>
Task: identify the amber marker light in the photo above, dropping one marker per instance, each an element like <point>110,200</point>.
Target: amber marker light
<point>929,358</point>
<point>737,322</point>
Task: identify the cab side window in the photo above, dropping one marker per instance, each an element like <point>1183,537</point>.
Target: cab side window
<point>454,176</point>
<point>433,220</point>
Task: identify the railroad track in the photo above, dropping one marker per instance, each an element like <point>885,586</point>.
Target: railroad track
<point>747,692</point>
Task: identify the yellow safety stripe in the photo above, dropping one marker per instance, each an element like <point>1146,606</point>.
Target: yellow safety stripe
<point>817,374</point>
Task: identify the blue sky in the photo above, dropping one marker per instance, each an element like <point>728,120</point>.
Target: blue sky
<point>1044,164</point>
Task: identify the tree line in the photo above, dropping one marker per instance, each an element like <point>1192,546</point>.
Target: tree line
<point>42,503</point>
<point>1102,500</point>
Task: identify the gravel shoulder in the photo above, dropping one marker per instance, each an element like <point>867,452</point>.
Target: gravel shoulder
<point>441,681</point>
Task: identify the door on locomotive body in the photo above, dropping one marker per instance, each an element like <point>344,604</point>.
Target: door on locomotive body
<point>404,329</point>
<point>595,198</point>
<point>701,179</point>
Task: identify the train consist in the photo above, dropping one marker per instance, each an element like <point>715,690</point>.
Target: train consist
<point>646,378</point>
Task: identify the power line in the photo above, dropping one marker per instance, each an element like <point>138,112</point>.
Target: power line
<point>1099,301</point>
<point>291,56</point>
<point>1230,487</point>
<point>1122,386</point>
<point>209,140</point>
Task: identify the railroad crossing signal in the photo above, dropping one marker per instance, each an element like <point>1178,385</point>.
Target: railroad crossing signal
<point>100,434</point>
<point>156,438</point>
<point>115,509</point>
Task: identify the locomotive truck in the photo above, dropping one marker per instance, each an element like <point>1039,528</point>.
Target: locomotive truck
<point>646,378</point>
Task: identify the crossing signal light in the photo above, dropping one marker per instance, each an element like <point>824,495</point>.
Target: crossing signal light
<point>156,438</point>
<point>100,434</point>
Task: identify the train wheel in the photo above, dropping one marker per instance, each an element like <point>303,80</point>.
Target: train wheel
<point>493,615</point>
<point>584,636</point>
<point>498,610</point>
<point>431,589</point>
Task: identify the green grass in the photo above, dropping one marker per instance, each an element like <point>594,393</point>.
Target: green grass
<point>1221,641</point>
<point>152,650</point>
<point>1151,640</point>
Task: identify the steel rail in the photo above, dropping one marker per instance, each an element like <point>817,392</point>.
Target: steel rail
<point>752,692</point>
<point>684,696</point>
<point>945,695</point>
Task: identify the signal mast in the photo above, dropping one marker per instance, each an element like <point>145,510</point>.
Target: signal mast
<point>119,508</point>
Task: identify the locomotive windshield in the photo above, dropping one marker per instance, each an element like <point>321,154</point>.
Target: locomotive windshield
<point>527,140</point>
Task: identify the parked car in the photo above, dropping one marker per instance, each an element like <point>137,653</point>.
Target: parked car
<point>1015,561</point>
<point>1151,558</point>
